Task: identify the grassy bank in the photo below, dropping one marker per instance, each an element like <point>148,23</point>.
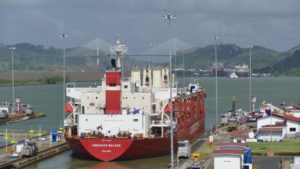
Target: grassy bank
<point>39,81</point>
<point>290,146</point>
<point>205,150</point>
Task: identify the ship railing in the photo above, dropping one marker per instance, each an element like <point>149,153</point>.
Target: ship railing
<point>77,101</point>
<point>154,113</point>
<point>108,137</point>
<point>144,90</point>
<point>159,123</point>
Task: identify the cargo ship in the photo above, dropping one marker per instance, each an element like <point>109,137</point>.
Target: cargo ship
<point>129,118</point>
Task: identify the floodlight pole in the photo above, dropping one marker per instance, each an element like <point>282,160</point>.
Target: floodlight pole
<point>250,80</point>
<point>169,17</point>
<point>215,38</point>
<point>64,36</point>
<point>12,48</point>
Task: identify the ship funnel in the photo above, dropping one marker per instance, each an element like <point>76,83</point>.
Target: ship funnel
<point>113,63</point>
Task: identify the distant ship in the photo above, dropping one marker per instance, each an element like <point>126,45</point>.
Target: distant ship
<point>130,118</point>
<point>233,76</point>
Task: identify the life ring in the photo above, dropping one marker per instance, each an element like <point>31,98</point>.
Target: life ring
<point>69,107</point>
<point>167,109</point>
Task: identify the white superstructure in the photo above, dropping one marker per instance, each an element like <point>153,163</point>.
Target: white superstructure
<point>140,105</point>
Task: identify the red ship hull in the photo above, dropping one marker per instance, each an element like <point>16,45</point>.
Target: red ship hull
<point>190,115</point>
<point>120,149</point>
<point>193,132</point>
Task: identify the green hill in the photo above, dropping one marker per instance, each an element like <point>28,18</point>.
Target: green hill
<point>230,55</point>
<point>29,57</point>
<point>288,66</point>
<point>294,49</point>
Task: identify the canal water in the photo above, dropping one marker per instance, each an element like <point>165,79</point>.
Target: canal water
<point>48,99</point>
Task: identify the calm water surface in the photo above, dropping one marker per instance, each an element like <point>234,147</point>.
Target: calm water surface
<point>48,99</point>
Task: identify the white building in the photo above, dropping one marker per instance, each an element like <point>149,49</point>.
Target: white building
<point>296,164</point>
<point>293,124</point>
<point>270,134</point>
<point>228,159</point>
<point>293,109</point>
<point>241,68</point>
<point>276,126</point>
<point>232,156</point>
<point>269,120</point>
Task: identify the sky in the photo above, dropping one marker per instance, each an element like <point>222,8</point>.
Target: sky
<point>274,24</point>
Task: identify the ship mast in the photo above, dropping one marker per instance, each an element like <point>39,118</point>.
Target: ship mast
<point>119,50</point>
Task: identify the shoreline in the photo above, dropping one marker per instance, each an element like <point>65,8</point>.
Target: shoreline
<point>44,78</point>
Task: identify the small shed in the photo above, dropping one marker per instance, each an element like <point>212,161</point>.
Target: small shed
<point>239,136</point>
<point>228,159</point>
<point>270,134</point>
<point>281,125</point>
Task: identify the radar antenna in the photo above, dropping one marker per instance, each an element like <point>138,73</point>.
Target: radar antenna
<point>120,51</point>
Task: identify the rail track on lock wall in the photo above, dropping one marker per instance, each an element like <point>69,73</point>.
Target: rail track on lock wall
<point>203,138</point>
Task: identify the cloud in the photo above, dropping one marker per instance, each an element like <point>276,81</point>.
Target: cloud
<point>271,23</point>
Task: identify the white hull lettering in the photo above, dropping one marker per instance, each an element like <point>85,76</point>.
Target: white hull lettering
<point>106,145</point>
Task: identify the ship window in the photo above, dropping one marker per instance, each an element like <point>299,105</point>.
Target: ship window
<point>293,129</point>
<point>82,110</point>
<point>112,84</point>
<point>154,107</point>
<point>76,118</point>
<point>165,77</point>
<point>70,85</point>
<point>125,86</point>
<point>246,167</point>
<point>96,97</point>
<point>135,120</point>
<point>143,98</point>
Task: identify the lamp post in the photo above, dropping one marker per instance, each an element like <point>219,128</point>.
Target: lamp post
<point>169,17</point>
<point>12,48</point>
<point>250,80</point>
<point>216,38</point>
<point>64,36</point>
